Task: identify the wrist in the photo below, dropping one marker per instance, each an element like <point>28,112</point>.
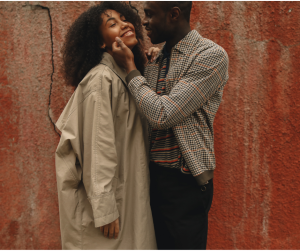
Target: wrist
<point>131,75</point>
<point>130,67</point>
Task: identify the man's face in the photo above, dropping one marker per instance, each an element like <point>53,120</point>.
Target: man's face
<point>155,22</point>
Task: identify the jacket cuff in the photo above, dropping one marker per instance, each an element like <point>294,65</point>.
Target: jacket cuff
<point>104,209</point>
<point>204,177</point>
<point>131,75</point>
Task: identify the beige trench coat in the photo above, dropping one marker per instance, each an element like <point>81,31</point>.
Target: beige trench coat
<point>101,165</point>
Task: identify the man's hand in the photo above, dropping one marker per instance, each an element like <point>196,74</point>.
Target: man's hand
<point>123,55</point>
<point>111,230</point>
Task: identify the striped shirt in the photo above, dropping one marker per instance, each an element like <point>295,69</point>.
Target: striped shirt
<point>165,150</point>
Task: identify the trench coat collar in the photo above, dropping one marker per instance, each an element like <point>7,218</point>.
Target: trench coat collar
<point>106,60</point>
<point>109,61</point>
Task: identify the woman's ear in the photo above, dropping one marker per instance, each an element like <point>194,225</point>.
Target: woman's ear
<point>103,46</point>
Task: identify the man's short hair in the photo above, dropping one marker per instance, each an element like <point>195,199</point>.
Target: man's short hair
<point>184,6</point>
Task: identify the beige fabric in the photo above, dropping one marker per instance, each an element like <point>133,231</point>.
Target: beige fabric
<point>102,165</point>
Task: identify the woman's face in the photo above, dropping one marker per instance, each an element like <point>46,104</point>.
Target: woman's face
<point>115,25</point>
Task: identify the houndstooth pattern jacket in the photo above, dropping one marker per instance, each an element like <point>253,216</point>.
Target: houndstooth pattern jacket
<point>197,75</point>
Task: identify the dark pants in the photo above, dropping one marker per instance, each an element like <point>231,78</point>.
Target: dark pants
<point>179,208</point>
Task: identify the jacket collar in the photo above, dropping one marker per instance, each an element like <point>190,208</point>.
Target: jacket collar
<point>185,45</point>
<point>109,61</point>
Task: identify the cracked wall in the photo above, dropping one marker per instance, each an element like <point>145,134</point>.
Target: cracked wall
<point>256,201</point>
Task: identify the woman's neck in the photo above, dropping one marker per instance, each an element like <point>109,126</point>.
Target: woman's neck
<point>109,51</point>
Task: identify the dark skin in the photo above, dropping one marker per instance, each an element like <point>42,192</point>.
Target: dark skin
<point>161,26</point>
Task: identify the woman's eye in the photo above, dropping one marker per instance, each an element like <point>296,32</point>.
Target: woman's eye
<point>113,25</point>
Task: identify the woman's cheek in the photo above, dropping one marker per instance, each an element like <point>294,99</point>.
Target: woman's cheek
<point>130,43</point>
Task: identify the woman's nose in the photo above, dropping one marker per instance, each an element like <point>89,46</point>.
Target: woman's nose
<point>124,25</point>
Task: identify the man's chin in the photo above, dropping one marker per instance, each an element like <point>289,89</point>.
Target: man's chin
<point>154,40</point>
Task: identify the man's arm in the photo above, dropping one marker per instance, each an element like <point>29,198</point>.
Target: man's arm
<point>206,75</point>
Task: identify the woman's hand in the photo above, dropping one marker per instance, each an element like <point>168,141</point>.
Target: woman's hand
<point>111,230</point>
<point>152,53</point>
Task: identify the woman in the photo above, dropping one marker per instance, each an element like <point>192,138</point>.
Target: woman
<point>101,163</point>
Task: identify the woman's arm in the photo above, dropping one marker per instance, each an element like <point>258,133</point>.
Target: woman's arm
<point>100,156</point>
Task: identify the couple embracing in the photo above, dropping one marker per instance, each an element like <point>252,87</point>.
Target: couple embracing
<point>135,161</point>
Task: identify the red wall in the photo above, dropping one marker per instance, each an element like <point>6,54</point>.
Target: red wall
<point>256,201</point>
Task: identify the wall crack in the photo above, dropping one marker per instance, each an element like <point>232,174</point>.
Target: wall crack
<point>52,73</point>
<point>132,7</point>
<point>35,6</point>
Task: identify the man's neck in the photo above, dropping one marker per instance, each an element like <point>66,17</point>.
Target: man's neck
<point>178,35</point>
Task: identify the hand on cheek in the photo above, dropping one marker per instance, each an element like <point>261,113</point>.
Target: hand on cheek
<point>123,55</point>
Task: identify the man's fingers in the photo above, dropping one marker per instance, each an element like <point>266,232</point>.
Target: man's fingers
<point>101,229</point>
<point>115,46</point>
<point>120,42</point>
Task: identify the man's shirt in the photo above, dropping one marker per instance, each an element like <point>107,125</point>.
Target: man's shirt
<point>165,150</point>
<point>198,72</point>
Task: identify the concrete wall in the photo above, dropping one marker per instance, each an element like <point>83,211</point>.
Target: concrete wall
<point>256,202</point>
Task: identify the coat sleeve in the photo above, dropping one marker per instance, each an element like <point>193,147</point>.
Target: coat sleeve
<point>99,152</point>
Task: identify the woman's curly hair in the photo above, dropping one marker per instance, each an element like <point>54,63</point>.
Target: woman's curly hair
<point>81,50</point>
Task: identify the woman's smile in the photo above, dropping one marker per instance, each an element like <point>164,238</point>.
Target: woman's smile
<point>127,33</point>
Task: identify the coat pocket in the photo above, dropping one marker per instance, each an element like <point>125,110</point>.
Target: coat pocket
<point>68,169</point>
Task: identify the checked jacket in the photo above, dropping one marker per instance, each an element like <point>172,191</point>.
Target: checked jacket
<point>198,72</point>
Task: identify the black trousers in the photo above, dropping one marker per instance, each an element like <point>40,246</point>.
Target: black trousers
<point>180,208</point>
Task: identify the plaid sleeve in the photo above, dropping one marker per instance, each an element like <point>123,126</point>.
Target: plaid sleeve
<point>208,72</point>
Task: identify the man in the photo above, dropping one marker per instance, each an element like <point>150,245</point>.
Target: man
<point>179,95</point>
